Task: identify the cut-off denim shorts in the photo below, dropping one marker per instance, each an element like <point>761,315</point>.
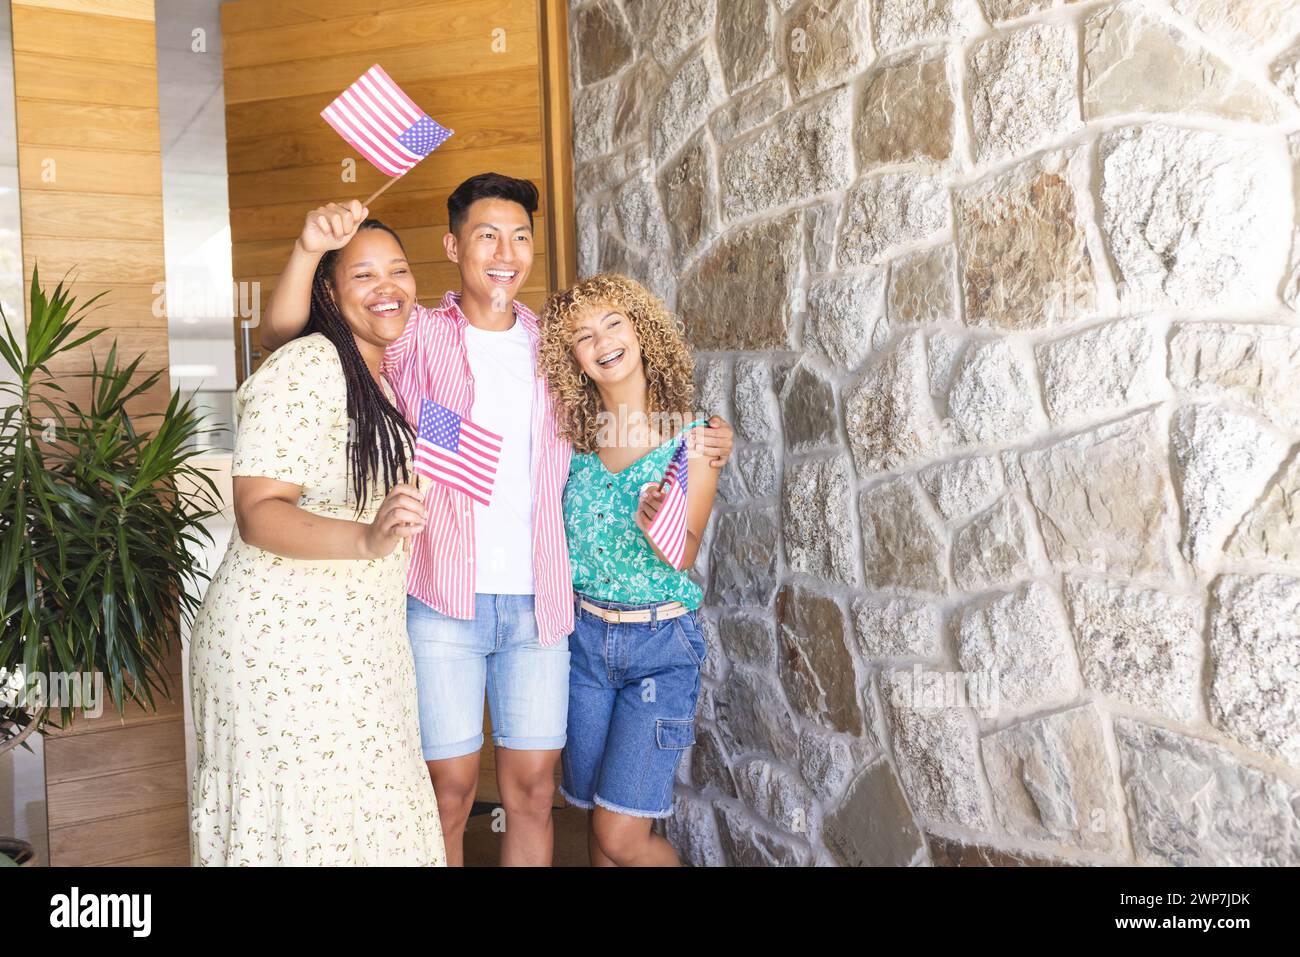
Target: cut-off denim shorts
<point>498,650</point>
<point>633,689</point>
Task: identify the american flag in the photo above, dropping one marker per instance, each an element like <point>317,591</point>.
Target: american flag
<point>668,530</point>
<point>455,452</point>
<point>383,124</point>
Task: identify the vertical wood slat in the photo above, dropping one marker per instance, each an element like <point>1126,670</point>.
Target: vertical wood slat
<point>561,240</point>
<point>90,175</point>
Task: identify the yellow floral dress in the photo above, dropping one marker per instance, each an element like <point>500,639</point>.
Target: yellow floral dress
<point>301,672</point>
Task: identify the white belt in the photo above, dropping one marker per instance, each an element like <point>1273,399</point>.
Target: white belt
<point>619,616</point>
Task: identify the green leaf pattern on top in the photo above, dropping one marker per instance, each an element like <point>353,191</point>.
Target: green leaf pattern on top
<point>610,556</point>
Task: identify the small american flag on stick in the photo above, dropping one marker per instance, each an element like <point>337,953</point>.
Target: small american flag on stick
<point>455,452</point>
<point>383,124</point>
<point>668,530</point>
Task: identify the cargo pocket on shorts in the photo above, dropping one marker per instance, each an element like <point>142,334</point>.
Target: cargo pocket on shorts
<point>672,737</point>
<point>675,733</point>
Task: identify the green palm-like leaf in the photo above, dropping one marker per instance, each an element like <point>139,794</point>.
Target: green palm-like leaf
<point>98,528</point>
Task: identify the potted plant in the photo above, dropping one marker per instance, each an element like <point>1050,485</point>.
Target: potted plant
<point>15,853</point>
<point>101,520</point>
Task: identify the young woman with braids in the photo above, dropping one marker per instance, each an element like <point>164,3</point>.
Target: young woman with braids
<point>302,677</point>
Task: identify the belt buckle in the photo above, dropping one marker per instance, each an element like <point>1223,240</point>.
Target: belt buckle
<point>618,615</point>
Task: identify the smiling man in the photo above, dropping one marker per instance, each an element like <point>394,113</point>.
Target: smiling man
<point>490,597</point>
<point>490,606</point>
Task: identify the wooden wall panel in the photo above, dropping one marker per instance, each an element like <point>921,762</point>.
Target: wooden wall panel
<point>87,125</point>
<point>254,16</point>
<point>131,9</point>
<point>143,839</point>
<point>87,756</point>
<point>285,60</point>
<point>63,215</point>
<point>440,96</point>
<point>418,208</point>
<point>86,91</point>
<point>312,185</point>
<point>111,795</point>
<point>70,78</point>
<point>507,129</point>
<point>445,37</point>
<point>90,169</point>
<point>55,32</point>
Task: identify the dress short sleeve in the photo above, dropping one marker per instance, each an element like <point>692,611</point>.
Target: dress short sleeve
<point>287,410</point>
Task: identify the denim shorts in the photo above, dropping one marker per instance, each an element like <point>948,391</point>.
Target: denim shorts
<point>632,695</point>
<point>497,650</point>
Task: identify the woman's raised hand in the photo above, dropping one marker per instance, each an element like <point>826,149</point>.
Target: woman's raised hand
<point>331,226</point>
<point>400,516</point>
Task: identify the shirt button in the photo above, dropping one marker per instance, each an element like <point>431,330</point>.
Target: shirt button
<point>600,514</point>
<point>609,485</point>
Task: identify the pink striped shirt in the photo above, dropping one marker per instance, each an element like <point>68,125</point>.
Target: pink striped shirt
<point>429,361</point>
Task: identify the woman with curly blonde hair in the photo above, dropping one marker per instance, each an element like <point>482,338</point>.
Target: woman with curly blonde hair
<point>618,367</point>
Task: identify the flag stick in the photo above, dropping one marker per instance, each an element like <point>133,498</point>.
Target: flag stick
<point>380,190</point>
<point>420,485</point>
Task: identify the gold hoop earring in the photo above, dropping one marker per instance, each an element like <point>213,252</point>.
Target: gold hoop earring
<point>582,378</point>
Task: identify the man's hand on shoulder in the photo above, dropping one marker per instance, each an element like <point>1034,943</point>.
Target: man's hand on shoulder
<point>716,441</point>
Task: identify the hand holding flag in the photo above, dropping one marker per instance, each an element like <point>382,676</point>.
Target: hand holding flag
<point>421,484</point>
<point>331,226</point>
<point>384,125</point>
<point>399,517</point>
<point>662,515</point>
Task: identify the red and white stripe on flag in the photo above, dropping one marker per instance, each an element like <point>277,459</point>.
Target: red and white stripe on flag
<point>371,115</point>
<point>668,530</point>
<point>455,452</point>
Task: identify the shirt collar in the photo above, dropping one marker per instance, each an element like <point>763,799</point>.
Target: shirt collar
<point>451,303</point>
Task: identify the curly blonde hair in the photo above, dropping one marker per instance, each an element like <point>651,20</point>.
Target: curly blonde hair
<point>669,369</point>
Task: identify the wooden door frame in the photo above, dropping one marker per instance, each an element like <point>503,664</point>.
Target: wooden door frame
<point>557,130</point>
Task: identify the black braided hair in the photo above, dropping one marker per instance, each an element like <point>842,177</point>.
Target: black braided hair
<point>377,437</point>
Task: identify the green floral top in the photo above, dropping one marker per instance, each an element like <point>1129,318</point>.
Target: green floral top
<point>609,554</point>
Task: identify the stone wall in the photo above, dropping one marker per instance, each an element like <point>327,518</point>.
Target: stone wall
<point>1000,296</point>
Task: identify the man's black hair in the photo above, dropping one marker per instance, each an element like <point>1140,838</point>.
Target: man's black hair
<point>489,186</point>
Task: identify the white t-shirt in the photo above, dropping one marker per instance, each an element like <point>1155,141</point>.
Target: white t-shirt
<point>502,366</point>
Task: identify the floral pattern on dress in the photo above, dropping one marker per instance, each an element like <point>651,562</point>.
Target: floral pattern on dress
<point>301,673</point>
<point>610,556</point>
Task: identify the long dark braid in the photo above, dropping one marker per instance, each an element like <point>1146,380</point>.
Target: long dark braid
<point>379,430</point>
